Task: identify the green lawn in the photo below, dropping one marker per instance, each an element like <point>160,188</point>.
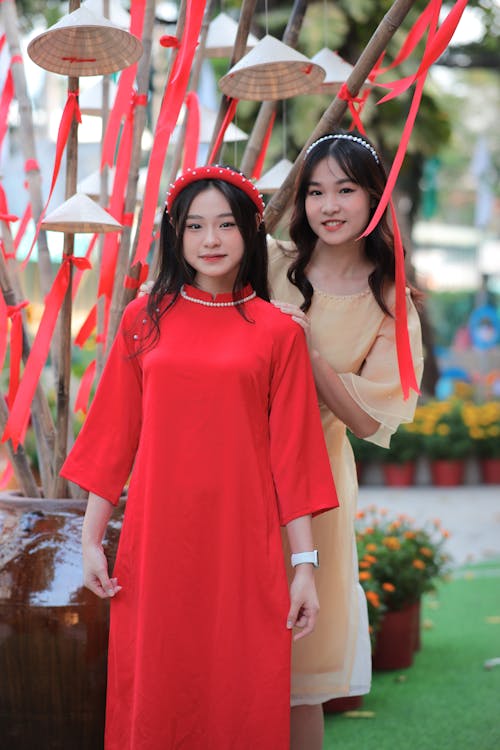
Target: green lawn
<point>447,699</point>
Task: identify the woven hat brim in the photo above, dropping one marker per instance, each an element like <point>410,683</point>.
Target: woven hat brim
<point>80,214</point>
<point>86,50</point>
<point>272,80</point>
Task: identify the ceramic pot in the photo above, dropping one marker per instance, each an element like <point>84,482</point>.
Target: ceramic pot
<point>53,632</point>
<point>396,638</point>
<point>399,475</point>
<point>447,472</point>
<point>490,470</point>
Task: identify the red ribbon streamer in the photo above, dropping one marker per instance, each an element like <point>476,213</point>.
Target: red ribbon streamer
<point>7,473</point>
<point>5,102</point>
<point>77,277</point>
<point>228,118</point>
<point>169,113</point>
<point>83,395</point>
<point>259,164</point>
<point>192,141</point>
<point>87,327</point>
<point>351,100</point>
<point>16,347</point>
<point>20,411</point>
<point>71,111</point>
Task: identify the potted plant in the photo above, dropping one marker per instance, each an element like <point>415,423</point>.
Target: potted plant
<point>398,562</point>
<point>445,439</point>
<point>399,461</point>
<point>483,422</point>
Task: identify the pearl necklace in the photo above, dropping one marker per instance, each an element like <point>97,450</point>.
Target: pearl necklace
<point>208,303</point>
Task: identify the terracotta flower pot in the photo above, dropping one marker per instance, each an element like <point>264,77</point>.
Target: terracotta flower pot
<point>490,470</point>
<point>399,475</point>
<point>447,472</point>
<point>395,643</point>
<point>54,633</point>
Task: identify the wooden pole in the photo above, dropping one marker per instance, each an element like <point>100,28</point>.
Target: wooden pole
<point>60,485</point>
<point>240,43</point>
<point>267,109</point>
<point>119,298</point>
<point>18,458</point>
<point>385,31</point>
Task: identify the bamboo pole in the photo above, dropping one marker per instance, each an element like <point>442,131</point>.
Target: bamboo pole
<point>18,458</point>
<point>332,116</point>
<point>119,298</point>
<point>240,43</point>
<point>128,294</point>
<point>40,411</point>
<point>193,85</point>
<point>268,109</point>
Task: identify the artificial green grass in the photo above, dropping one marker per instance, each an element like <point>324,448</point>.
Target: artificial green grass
<point>446,699</point>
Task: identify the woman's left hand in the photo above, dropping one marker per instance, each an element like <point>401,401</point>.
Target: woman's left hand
<point>304,604</point>
<point>298,315</point>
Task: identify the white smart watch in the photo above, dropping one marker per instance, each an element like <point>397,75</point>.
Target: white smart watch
<point>305,557</point>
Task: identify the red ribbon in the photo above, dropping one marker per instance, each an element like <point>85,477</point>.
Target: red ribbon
<point>71,112</point>
<point>167,119</point>
<point>20,409</point>
<point>4,209</point>
<point>167,40</point>
<point>77,277</point>
<point>8,472</point>
<point>192,141</point>
<point>16,347</point>
<point>228,118</point>
<point>87,327</point>
<point>351,100</point>
<point>83,395</point>
<point>259,164</point>
<point>31,165</point>
<point>5,102</point>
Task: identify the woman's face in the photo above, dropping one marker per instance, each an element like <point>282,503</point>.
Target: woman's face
<point>212,243</point>
<point>337,208</point>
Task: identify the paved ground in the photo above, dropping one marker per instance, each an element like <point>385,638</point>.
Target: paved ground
<point>470,513</point>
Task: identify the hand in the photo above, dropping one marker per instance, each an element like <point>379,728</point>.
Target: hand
<point>95,572</point>
<point>304,605</point>
<point>298,315</point>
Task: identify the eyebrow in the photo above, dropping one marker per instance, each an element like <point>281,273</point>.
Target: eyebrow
<point>337,182</point>
<point>199,216</point>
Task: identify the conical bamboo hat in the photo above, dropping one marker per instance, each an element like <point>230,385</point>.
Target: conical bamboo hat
<point>80,214</point>
<point>83,44</point>
<point>272,70</point>
<point>91,185</point>
<point>337,71</point>
<point>272,180</point>
<point>207,123</point>
<point>221,36</point>
<point>90,100</point>
<point>113,12</point>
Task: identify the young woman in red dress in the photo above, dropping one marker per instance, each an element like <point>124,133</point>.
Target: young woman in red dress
<point>208,401</point>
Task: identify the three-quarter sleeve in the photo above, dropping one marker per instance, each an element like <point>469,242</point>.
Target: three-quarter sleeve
<point>104,451</point>
<point>299,459</point>
<point>376,388</point>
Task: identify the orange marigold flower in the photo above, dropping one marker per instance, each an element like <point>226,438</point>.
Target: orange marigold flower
<point>410,534</point>
<point>392,542</point>
<point>370,559</point>
<point>373,598</point>
<point>369,530</point>
<point>388,586</point>
<point>371,547</point>
<point>364,563</point>
<point>360,514</point>
<point>419,564</point>
<point>365,575</point>
<point>426,552</point>
<point>446,534</point>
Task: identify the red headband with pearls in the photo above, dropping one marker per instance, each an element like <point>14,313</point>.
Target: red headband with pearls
<point>215,172</point>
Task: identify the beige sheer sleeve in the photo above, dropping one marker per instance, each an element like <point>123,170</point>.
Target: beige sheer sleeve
<point>376,387</point>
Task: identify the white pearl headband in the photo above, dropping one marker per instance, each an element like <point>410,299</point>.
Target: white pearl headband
<point>345,137</point>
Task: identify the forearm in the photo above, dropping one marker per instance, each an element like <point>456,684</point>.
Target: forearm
<point>334,394</point>
<point>96,519</point>
<point>300,536</point>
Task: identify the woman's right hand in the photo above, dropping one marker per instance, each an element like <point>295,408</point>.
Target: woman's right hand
<point>95,572</point>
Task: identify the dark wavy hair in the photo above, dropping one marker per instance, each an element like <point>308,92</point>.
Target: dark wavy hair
<point>360,166</point>
<point>174,270</point>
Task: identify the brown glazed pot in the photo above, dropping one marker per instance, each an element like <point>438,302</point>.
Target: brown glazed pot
<point>53,632</point>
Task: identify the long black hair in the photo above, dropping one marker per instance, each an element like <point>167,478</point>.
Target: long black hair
<point>174,270</point>
<point>360,165</point>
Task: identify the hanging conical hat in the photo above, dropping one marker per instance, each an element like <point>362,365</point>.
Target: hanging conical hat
<point>272,70</point>
<point>221,36</point>
<point>83,44</point>
<point>90,100</point>
<point>113,11</point>
<point>337,71</point>
<point>207,123</point>
<point>80,214</point>
<point>91,185</point>
<point>272,180</point>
